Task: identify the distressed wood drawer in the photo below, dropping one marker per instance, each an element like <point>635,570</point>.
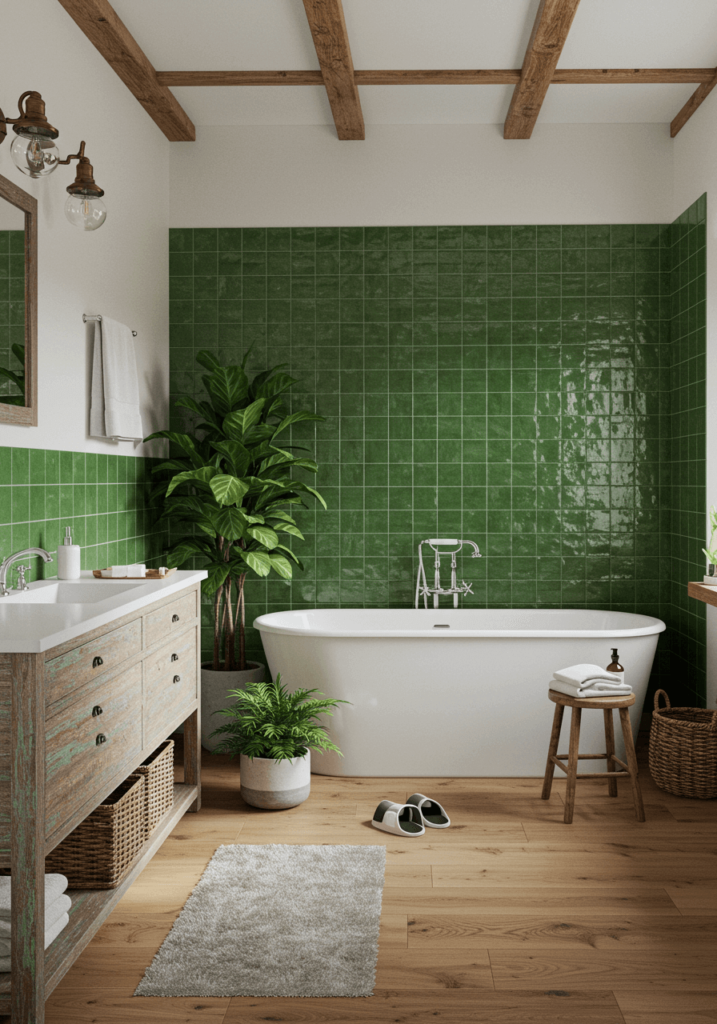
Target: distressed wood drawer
<point>169,686</point>
<point>78,767</point>
<point>76,667</point>
<point>170,618</point>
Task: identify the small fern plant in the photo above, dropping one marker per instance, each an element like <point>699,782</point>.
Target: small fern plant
<point>267,721</point>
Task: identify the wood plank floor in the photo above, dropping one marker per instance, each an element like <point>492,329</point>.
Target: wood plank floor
<point>509,917</point>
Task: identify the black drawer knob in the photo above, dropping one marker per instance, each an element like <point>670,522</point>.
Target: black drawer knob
<point>177,679</point>
<point>101,738</point>
<point>175,657</point>
<point>96,711</point>
<point>175,617</point>
<point>96,662</point>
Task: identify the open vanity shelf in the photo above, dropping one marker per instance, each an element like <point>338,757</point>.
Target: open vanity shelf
<point>91,907</point>
<point>79,711</point>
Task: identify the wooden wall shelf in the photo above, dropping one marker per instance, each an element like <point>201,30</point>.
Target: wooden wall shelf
<point>701,592</point>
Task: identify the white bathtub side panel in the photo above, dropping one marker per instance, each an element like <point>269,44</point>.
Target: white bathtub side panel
<point>448,707</point>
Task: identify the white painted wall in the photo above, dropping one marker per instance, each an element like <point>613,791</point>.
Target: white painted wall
<point>422,174</point>
<point>119,270</point>
<point>695,172</point>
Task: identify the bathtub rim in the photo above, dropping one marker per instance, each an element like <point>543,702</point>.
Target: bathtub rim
<point>264,624</point>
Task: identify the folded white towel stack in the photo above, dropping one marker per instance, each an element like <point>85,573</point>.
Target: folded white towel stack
<point>589,681</point>
<point>114,405</point>
<point>57,905</point>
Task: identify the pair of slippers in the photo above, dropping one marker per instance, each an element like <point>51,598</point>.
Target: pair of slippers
<point>412,818</point>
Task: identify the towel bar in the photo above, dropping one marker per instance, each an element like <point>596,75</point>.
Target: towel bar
<point>98,316</point>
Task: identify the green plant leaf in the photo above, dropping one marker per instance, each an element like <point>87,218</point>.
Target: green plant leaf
<point>231,523</point>
<point>200,477</point>
<point>264,535</point>
<point>228,490</point>
<point>227,386</point>
<point>295,417</point>
<point>207,360</point>
<point>237,423</point>
<point>239,457</point>
<point>281,566</point>
<point>185,550</point>
<point>258,561</point>
<point>217,574</point>
<point>290,553</point>
<point>288,528</point>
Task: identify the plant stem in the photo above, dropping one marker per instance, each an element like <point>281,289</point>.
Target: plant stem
<point>217,629</point>
<point>229,636</point>
<point>240,615</point>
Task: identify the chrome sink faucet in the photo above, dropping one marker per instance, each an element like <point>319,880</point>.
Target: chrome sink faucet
<point>422,588</point>
<point>4,566</point>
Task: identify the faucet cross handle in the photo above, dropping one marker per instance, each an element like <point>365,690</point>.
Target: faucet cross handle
<point>467,587</point>
<point>21,581</point>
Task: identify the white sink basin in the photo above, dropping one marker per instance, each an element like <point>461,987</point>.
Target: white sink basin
<point>69,592</point>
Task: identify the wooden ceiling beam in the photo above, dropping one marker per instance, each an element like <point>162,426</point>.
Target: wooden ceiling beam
<point>331,41</point>
<point>100,23</point>
<point>694,102</point>
<point>550,30</point>
<point>562,76</point>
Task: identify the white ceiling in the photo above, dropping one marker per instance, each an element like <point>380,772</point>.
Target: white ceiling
<point>226,35</point>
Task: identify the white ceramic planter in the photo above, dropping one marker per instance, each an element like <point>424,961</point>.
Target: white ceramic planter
<point>215,696</point>
<point>275,784</point>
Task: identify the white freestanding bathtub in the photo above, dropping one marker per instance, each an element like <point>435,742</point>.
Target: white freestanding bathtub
<point>451,693</point>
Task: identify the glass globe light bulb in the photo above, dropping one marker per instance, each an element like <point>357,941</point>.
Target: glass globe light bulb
<point>35,155</point>
<point>85,212</point>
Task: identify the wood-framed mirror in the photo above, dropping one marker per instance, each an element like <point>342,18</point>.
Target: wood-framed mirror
<point>18,305</point>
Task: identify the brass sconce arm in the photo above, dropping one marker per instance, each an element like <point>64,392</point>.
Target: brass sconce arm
<point>84,183</point>
<point>32,120</point>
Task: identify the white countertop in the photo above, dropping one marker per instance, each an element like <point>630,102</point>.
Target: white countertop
<point>31,627</point>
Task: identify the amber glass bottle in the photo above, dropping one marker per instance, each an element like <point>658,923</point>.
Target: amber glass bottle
<point>614,665</point>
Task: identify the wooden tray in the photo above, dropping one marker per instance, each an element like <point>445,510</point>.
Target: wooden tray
<point>152,574</point>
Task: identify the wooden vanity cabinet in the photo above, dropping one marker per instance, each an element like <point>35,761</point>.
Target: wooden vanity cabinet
<point>74,722</point>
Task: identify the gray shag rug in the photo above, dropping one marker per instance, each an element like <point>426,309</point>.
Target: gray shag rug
<point>276,921</point>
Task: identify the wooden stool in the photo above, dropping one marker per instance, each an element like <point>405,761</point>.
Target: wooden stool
<point>629,770</point>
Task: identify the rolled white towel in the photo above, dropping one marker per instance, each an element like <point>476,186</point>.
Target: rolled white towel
<point>578,675</point>
<point>50,936</point>
<point>55,885</point>
<point>593,688</point>
<point>53,911</point>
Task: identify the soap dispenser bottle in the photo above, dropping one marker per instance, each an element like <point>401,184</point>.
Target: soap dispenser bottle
<point>614,665</point>
<point>68,558</point>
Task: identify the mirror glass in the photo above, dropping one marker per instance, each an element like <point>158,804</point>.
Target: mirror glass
<point>12,305</point>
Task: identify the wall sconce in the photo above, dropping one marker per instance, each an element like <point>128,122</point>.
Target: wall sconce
<point>84,207</point>
<point>34,151</point>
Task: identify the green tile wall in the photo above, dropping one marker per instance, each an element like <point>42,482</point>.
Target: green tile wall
<point>103,498</point>
<point>12,303</point>
<point>688,427</point>
<point>511,385</point>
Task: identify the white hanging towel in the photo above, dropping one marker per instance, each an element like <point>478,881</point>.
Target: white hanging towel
<point>114,403</point>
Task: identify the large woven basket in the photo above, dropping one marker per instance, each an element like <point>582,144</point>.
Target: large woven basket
<point>100,851</point>
<point>158,771</point>
<point>683,750</point>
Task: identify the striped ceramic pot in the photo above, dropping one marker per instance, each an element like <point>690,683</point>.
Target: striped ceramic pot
<point>275,784</point>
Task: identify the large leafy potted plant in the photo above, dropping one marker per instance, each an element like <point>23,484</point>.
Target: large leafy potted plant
<point>224,494</point>
<point>273,732</point>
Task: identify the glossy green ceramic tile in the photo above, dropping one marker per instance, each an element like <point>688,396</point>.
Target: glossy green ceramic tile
<point>688,426</point>
<point>12,305</point>
<point>102,498</point>
<point>511,385</point>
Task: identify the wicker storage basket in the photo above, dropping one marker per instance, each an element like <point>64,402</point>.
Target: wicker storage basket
<point>683,750</point>
<point>100,851</point>
<point>158,771</point>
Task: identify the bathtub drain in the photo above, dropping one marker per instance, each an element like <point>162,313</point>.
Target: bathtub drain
<point>441,625</point>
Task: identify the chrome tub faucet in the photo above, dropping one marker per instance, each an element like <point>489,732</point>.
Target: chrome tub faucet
<point>4,566</point>
<point>422,588</point>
